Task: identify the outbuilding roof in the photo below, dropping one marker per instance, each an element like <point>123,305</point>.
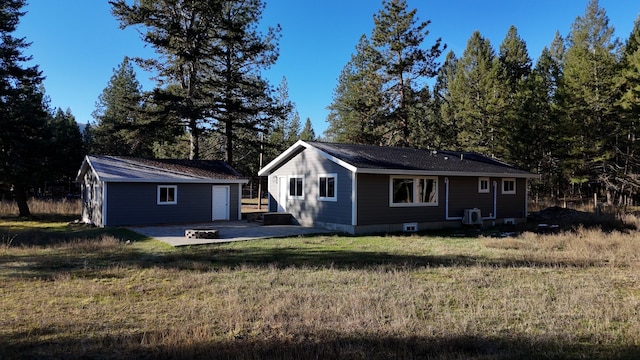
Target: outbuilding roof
<point>401,160</point>
<point>130,169</point>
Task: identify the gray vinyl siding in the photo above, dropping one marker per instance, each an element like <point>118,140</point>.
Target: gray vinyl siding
<point>136,204</point>
<point>310,209</point>
<point>373,201</point>
<point>512,205</point>
<point>463,194</point>
<point>374,209</point>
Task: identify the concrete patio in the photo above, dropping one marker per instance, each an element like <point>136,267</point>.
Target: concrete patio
<point>228,231</point>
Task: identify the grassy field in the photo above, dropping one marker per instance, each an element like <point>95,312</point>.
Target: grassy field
<point>76,292</point>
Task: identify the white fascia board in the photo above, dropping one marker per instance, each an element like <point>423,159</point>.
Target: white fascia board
<point>86,167</point>
<point>267,169</point>
<point>177,181</point>
<point>444,173</point>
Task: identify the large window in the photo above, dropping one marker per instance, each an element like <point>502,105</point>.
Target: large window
<point>508,186</point>
<point>414,191</point>
<point>167,194</point>
<point>296,187</point>
<point>327,187</point>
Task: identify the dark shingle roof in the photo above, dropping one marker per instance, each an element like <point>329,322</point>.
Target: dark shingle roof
<point>369,158</point>
<point>117,168</point>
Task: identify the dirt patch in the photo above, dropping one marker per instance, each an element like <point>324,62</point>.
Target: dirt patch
<point>569,219</point>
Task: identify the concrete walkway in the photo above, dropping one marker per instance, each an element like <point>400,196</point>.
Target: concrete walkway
<point>228,231</point>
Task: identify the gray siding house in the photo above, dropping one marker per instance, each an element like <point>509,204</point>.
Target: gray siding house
<point>120,191</point>
<point>366,189</point>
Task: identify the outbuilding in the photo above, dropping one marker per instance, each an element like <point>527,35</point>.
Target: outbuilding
<point>366,189</point>
<point>118,191</point>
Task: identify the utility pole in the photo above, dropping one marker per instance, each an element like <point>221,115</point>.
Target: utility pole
<point>260,178</point>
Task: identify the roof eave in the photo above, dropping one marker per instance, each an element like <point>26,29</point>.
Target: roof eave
<point>178,181</point>
<point>267,169</point>
<point>445,173</point>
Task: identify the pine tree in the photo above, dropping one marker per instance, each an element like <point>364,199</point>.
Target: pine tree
<point>293,132</point>
<point>23,116</point>
<point>446,125</point>
<point>117,115</point>
<point>276,140</point>
<point>357,108</point>
<point>405,66</point>
<point>307,133</point>
<point>213,51</point>
<point>67,146</point>
<point>515,126</point>
<point>588,89</point>
<point>475,97</point>
<point>628,108</point>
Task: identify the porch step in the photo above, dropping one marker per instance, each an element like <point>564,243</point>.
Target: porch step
<point>276,218</point>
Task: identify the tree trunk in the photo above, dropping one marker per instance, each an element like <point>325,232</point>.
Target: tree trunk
<point>194,138</point>
<point>229,141</point>
<point>21,200</point>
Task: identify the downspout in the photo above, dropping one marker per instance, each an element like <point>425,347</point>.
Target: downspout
<point>495,202</point>
<point>446,202</point>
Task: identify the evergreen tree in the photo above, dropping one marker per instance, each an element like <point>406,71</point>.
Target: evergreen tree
<point>405,66</point>
<point>276,140</point>
<point>590,126</point>
<point>23,115</point>
<point>307,133</point>
<point>67,146</point>
<point>540,150</point>
<point>357,108</point>
<point>117,112</point>
<point>476,99</point>
<point>213,51</point>
<point>517,123</point>
<point>293,133</point>
<point>628,107</point>
<point>446,124</point>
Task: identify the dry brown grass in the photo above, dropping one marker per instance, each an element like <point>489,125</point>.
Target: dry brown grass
<point>62,207</point>
<point>572,295</point>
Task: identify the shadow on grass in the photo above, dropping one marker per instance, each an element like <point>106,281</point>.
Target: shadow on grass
<point>330,345</point>
<point>90,263</point>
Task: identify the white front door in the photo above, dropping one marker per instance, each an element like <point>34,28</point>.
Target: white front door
<point>220,203</point>
<point>282,193</point>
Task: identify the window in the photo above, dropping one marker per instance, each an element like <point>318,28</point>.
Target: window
<point>483,185</point>
<point>327,187</point>
<point>167,194</point>
<point>296,186</point>
<point>508,186</point>
<point>418,191</point>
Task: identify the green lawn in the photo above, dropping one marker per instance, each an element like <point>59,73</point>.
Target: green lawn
<point>92,293</point>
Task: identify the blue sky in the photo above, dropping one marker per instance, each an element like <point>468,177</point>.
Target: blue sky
<point>78,43</point>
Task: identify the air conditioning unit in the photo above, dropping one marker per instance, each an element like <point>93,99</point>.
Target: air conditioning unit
<point>472,217</point>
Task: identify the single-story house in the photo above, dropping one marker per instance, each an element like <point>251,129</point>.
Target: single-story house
<point>367,189</point>
<point>120,191</point>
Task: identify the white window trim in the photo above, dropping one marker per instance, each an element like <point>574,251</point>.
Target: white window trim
<point>335,187</point>
<point>175,193</point>
<point>480,189</point>
<point>413,204</point>
<point>289,196</point>
<point>509,192</point>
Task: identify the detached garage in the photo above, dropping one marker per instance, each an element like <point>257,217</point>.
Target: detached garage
<point>119,191</point>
